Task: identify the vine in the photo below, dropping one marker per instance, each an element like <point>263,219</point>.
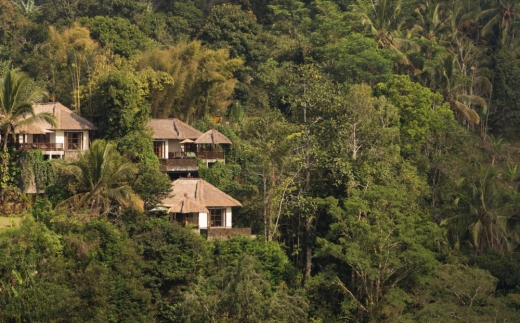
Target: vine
<point>35,170</point>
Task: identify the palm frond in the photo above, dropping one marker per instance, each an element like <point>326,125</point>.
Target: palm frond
<point>467,112</point>
<point>42,116</point>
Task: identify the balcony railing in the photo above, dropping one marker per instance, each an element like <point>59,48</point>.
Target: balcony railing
<point>210,154</point>
<point>181,154</point>
<point>198,154</point>
<point>225,233</point>
<point>179,164</point>
<point>40,145</point>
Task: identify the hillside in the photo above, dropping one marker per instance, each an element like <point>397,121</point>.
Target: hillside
<point>372,145</point>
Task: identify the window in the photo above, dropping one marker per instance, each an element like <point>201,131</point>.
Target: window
<point>74,140</point>
<point>218,217</point>
<point>184,219</point>
<point>192,218</point>
<point>42,138</point>
<point>158,148</point>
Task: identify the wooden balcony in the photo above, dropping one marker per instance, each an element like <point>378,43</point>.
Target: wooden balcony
<point>210,154</point>
<point>180,164</point>
<point>47,146</point>
<point>181,154</point>
<point>198,154</point>
<point>225,233</point>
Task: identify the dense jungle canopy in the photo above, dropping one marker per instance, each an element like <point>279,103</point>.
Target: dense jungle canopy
<point>375,151</point>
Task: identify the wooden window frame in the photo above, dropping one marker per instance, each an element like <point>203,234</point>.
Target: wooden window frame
<point>162,145</point>
<point>217,216</point>
<point>72,142</point>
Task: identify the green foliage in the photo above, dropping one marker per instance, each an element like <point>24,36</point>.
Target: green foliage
<point>124,110</point>
<point>119,35</point>
<point>12,20</point>
<point>504,266</point>
<point>230,27</point>
<point>174,258</point>
<point>353,129</point>
<point>272,259</point>
<point>240,294</point>
<point>203,81</point>
<point>56,10</point>
<point>137,146</point>
<point>466,291</point>
<point>507,115</point>
<point>151,185</point>
<point>419,109</point>
<point>17,95</point>
<point>36,171</point>
<point>5,171</point>
<point>356,59</point>
<point>384,240</point>
<point>102,177</point>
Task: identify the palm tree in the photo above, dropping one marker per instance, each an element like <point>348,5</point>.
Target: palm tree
<point>487,222</point>
<point>17,96</point>
<point>432,21</point>
<point>102,177</point>
<point>502,16</point>
<point>459,90</point>
<point>385,26</point>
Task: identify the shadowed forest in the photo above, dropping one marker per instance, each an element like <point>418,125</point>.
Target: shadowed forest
<point>375,152</point>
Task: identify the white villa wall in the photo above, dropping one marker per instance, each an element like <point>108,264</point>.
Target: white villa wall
<point>174,145</point>
<point>229,222</point>
<point>203,220</point>
<point>58,137</point>
<point>86,140</point>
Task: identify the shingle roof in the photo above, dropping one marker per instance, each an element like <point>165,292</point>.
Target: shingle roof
<point>201,191</point>
<point>173,129</point>
<point>212,136</point>
<point>65,119</point>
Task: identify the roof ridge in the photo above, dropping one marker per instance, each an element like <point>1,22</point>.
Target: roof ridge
<point>200,190</point>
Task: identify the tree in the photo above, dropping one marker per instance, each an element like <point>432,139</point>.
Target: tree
<point>72,58</point>
<point>125,108</point>
<point>240,292</point>
<point>204,81</point>
<point>230,27</point>
<point>11,20</point>
<point>103,181</point>
<point>419,110</point>
<point>457,293</point>
<point>174,259</point>
<point>381,241</point>
<point>119,35</point>
<point>17,96</point>
<point>457,88</point>
<point>274,144</point>
<point>499,20</point>
<point>506,100</point>
<point>486,212</point>
<point>357,59</point>
<point>385,23</point>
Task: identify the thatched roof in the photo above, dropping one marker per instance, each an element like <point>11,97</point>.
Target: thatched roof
<point>212,136</point>
<point>187,205</point>
<point>200,191</point>
<point>173,129</point>
<point>65,120</point>
<point>38,128</point>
